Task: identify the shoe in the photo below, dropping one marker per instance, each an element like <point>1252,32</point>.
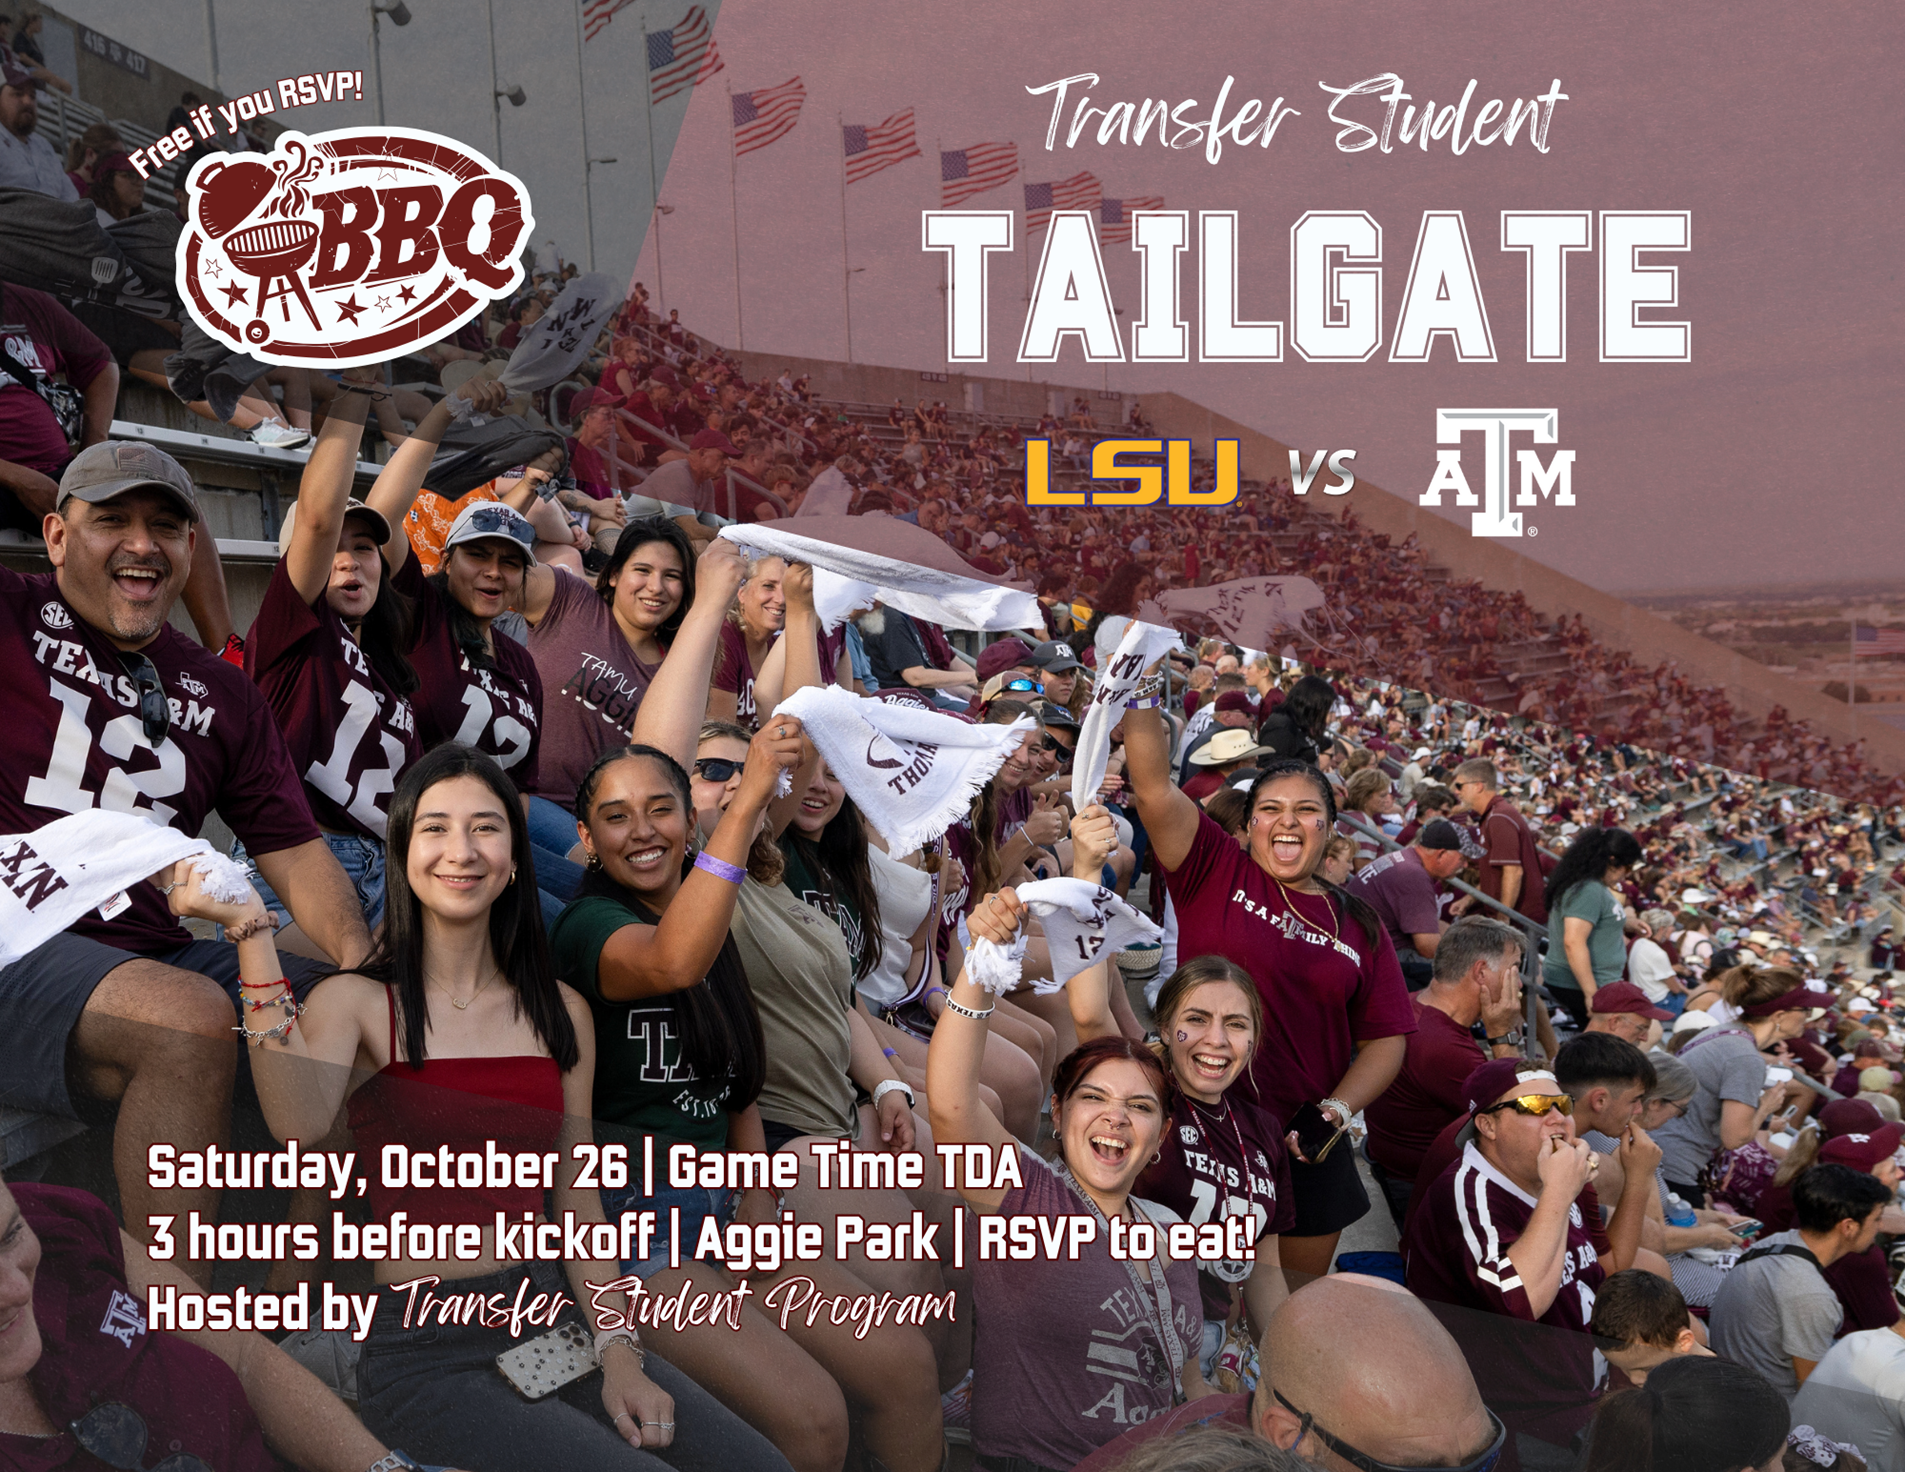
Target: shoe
<point>594,561</point>
<point>234,651</point>
<point>955,1412</point>
<point>275,434</point>
<point>330,1355</point>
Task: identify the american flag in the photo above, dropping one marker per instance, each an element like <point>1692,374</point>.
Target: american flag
<point>1877,641</point>
<point>872,147</point>
<point>1080,192</point>
<point>964,172</point>
<point>598,13</point>
<point>682,56</point>
<point>762,116</point>
<point>1114,216</point>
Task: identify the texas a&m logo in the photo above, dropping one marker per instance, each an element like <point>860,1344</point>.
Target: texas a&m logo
<point>350,246</point>
<point>1534,479</point>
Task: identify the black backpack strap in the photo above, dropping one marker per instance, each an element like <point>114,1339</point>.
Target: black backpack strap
<point>1785,1249</point>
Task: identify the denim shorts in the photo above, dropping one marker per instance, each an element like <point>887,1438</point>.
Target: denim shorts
<point>697,1203</point>
<point>363,862</point>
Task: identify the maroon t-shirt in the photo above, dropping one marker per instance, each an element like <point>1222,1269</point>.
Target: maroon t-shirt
<point>1068,1355</point>
<point>1218,1163</point>
<point>47,339</point>
<point>1426,1095</point>
<point>1863,1282</point>
<point>734,673</point>
<point>347,731</point>
<point>1540,1372</point>
<point>1325,985</point>
<point>97,1349</point>
<point>1403,895</point>
<point>74,741</point>
<point>1509,840</point>
<point>497,711</point>
<point>582,655</point>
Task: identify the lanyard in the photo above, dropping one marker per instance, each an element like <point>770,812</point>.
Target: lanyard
<point>1155,1295</point>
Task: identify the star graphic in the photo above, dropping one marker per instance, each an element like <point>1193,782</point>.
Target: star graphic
<point>383,304</point>
<point>214,269</point>
<point>234,294</point>
<point>347,311</point>
<point>408,294</point>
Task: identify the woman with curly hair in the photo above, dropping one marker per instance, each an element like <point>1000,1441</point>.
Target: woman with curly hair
<point>1586,948</point>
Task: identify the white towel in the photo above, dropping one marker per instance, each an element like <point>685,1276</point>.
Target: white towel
<point>1084,924</point>
<point>912,569</point>
<point>52,876</point>
<point>911,772</point>
<point>1257,612</point>
<point>1141,646</point>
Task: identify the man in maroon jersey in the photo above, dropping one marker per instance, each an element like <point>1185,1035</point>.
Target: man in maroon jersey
<point>1511,871</point>
<point>111,707</point>
<point>1499,1239</point>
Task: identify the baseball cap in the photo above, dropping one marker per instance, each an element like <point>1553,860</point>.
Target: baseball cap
<point>713,439</point>
<point>1694,1021</point>
<point>1624,996</point>
<point>1236,700</point>
<point>485,519</point>
<point>1229,745</point>
<point>379,527</point>
<point>1420,753</point>
<point>998,656</point>
<point>1440,833</point>
<point>1863,1149</point>
<point>1499,1076</point>
<point>1799,999</point>
<point>1054,714</point>
<point>1848,1117</point>
<point>113,467</point>
<point>592,398</point>
<point>1055,654</point>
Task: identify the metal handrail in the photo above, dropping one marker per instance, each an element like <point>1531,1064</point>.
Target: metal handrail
<point>675,443</point>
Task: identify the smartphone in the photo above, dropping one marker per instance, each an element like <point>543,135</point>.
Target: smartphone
<point>1315,1135</point>
<point>1747,1230</point>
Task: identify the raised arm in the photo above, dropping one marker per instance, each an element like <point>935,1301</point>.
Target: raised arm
<point>959,1044</point>
<point>1168,815</point>
<point>400,480</point>
<point>653,960</point>
<point>1088,994</point>
<point>671,712</point>
<point>324,488</point>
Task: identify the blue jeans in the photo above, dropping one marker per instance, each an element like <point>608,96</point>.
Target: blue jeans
<point>363,862</point>
<point>551,836</point>
<point>697,1203</point>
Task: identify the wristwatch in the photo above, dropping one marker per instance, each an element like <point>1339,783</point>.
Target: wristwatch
<point>887,1086</point>
<point>393,1460</point>
<point>1512,1037</point>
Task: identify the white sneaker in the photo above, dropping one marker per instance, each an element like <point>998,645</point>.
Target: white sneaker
<point>277,435</point>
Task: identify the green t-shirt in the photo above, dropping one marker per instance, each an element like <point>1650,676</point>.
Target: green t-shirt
<point>1594,902</point>
<point>641,1082</point>
<point>808,886</point>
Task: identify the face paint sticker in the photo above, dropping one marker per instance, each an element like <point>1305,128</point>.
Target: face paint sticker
<point>1182,1036</point>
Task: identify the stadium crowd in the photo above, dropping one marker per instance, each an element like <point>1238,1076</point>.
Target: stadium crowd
<point>535,850</point>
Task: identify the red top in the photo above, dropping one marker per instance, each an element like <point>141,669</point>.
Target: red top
<point>465,1103</point>
<point>1511,841</point>
<point>1426,1095</point>
<point>97,1349</point>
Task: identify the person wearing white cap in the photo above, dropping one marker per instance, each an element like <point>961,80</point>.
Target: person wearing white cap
<point>1413,773</point>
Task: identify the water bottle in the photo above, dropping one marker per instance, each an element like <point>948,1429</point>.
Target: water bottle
<point>1679,1214</point>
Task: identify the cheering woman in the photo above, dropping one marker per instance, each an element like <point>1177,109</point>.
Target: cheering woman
<point>459,1037</point>
<point>1043,1324</point>
<point>1336,1011</point>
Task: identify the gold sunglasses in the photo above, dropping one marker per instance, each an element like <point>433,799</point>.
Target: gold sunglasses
<point>1533,1104</point>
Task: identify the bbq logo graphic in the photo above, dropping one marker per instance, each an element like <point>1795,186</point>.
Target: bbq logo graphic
<point>1536,480</point>
<point>350,246</point>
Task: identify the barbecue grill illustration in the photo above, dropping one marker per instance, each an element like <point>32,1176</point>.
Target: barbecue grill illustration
<point>275,250</point>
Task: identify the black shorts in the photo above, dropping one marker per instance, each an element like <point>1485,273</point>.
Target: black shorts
<point>43,993</point>
<point>1329,1196</point>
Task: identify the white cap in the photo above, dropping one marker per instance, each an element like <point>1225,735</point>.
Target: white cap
<point>1693,1021</point>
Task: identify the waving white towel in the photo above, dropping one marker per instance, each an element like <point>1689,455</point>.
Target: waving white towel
<point>911,569</point>
<point>1142,645</point>
<point>911,772</point>
<point>1084,924</point>
<point>52,876</point>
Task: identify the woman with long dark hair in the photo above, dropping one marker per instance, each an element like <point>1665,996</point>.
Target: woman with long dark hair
<point>1299,727</point>
<point>1586,948</point>
<point>459,1037</point>
<point>328,649</point>
<point>1038,1397</point>
<point>1336,1011</point>
<point>1694,1414</point>
<point>1223,1152</point>
<point>597,650</point>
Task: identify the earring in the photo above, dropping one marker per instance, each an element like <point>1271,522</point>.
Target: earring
<point>1157,1157</point>
<point>593,862</point>
<point>512,874</point>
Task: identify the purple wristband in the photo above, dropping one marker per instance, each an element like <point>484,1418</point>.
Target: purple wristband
<point>720,868</point>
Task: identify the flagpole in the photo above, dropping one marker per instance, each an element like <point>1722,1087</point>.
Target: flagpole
<point>846,270</point>
<point>582,100</point>
<point>654,191</point>
<point>734,221</point>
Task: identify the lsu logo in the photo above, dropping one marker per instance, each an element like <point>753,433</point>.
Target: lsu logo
<point>1535,480</point>
<point>350,246</point>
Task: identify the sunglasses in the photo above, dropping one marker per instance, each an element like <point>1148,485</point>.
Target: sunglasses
<point>1366,1463</point>
<point>1534,1105</point>
<point>1019,682</point>
<point>717,769</point>
<point>155,710</point>
<point>116,1435</point>
<point>501,521</point>
<point>1049,742</point>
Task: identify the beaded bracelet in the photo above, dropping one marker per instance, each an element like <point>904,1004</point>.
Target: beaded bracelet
<point>720,868</point>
